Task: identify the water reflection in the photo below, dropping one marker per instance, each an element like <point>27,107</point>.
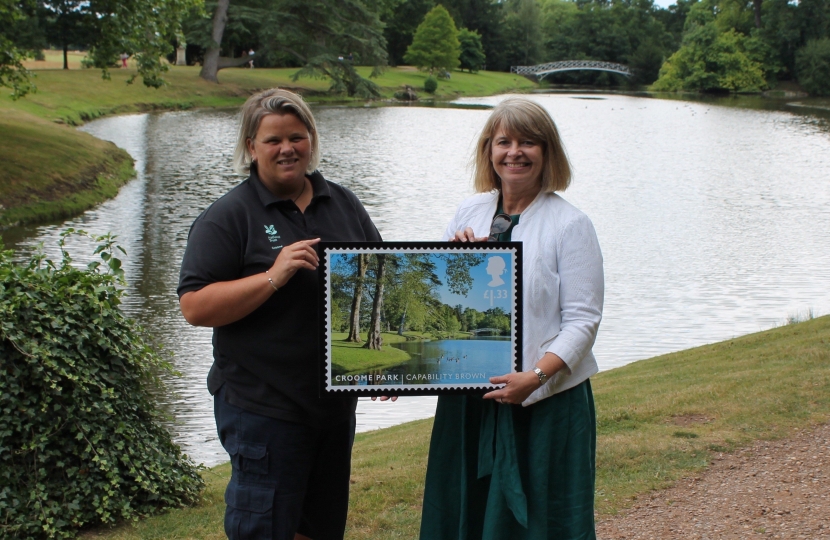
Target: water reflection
<point>444,361</point>
<point>714,222</point>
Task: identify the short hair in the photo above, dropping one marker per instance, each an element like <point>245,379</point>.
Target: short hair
<point>525,118</point>
<point>273,101</point>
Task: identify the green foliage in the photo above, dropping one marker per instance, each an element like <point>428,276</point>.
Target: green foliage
<point>343,76</point>
<point>487,18</point>
<point>430,84</point>
<point>12,73</point>
<point>144,29</point>
<point>279,33</point>
<point>472,51</point>
<point>523,35</point>
<point>629,32</point>
<point>726,48</point>
<point>400,25</point>
<point>495,318</point>
<point>459,266</point>
<point>713,60</point>
<point>813,67</point>
<point>435,45</point>
<point>81,440</point>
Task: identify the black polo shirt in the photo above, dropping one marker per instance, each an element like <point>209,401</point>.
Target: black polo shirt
<point>268,360</point>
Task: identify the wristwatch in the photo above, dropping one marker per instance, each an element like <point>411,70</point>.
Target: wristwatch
<point>541,374</point>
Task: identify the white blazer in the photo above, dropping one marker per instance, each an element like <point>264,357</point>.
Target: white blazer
<point>562,279</point>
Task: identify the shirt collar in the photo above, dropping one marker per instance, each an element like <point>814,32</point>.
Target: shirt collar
<point>318,184</point>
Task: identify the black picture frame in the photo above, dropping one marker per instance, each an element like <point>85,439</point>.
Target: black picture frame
<point>481,282</point>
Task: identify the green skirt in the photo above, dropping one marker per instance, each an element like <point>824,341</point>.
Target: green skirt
<point>505,472</point>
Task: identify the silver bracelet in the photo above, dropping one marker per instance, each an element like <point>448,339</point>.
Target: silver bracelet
<point>271,281</point>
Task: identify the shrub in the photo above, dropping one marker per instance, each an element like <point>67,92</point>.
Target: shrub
<point>81,441</point>
<point>430,85</point>
<point>812,65</point>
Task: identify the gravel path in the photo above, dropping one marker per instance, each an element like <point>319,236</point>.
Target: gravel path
<point>777,489</point>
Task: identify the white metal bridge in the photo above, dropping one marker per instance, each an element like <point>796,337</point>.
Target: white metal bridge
<point>542,70</point>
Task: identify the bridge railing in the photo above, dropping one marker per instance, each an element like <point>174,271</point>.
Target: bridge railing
<point>571,65</point>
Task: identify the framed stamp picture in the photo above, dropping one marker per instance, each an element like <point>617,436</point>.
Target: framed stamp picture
<point>415,318</point>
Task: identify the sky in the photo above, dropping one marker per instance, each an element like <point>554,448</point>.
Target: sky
<point>482,296</point>
<point>485,293</point>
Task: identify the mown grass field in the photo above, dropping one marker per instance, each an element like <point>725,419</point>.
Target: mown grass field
<point>658,420</point>
<point>33,189</point>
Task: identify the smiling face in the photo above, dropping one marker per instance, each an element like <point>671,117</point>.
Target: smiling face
<point>517,160</point>
<point>282,152</point>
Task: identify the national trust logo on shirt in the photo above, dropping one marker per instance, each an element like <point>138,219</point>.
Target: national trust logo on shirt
<point>272,235</point>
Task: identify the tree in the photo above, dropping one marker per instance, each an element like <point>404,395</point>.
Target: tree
<point>714,55</point>
<point>68,22</point>
<point>495,318</point>
<point>210,67</point>
<point>144,29</point>
<point>524,32</point>
<point>448,321</point>
<point>315,34</point>
<point>400,25</point>
<point>374,340</point>
<point>459,266</point>
<point>813,67</point>
<point>354,314</point>
<point>435,45</point>
<point>487,18</point>
<point>712,61</point>
<point>412,290</point>
<point>12,73</point>
<point>472,52</point>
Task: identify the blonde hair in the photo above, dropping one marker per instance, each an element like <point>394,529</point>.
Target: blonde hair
<point>258,106</point>
<point>524,118</point>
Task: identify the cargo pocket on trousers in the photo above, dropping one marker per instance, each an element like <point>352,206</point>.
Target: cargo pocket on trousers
<point>249,513</point>
<point>247,457</point>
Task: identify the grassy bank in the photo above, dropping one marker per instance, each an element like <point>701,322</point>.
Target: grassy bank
<point>658,420</point>
<point>49,171</point>
<point>76,96</point>
<point>41,181</point>
<point>352,357</point>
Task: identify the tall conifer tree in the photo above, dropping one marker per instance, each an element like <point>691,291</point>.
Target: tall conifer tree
<point>435,45</point>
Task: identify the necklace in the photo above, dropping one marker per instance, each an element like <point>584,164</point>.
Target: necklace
<point>301,193</point>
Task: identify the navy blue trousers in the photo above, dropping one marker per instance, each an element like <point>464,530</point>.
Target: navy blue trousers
<point>287,477</point>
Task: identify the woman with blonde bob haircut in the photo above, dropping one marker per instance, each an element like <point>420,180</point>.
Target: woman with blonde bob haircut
<point>250,273</point>
<point>519,462</point>
<point>528,119</point>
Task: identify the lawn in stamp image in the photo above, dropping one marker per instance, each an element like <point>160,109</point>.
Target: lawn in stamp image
<point>422,318</point>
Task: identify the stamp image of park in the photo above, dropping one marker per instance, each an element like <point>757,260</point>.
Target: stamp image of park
<point>420,319</point>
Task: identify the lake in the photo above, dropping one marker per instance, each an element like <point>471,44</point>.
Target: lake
<point>714,221</point>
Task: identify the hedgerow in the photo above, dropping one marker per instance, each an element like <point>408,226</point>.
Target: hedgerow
<point>81,439</point>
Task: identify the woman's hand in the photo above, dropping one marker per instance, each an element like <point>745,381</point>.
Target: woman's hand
<point>226,302</point>
<point>299,255</point>
<point>467,235</point>
<point>386,398</point>
<point>518,386</point>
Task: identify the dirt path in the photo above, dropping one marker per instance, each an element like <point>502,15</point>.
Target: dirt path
<point>775,489</point>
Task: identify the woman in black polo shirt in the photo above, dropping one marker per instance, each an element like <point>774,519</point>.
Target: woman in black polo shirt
<point>249,271</point>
